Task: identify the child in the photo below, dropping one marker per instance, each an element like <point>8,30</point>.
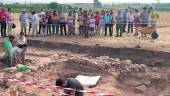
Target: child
<point>34,23</point>
<point>136,22</point>
<point>97,19</point>
<point>71,25</point>
<point>92,24</point>
<point>80,20</point>
<point>102,22</point>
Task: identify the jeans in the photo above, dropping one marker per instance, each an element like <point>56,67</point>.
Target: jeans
<point>130,27</point>
<point>55,27</point>
<point>124,26</point>
<point>63,27</point>
<point>49,28</point>
<point>119,29</point>
<point>110,29</point>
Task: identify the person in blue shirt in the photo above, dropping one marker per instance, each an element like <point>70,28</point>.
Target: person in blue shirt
<point>108,21</point>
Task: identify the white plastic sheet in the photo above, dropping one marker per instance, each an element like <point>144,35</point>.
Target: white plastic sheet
<point>88,81</point>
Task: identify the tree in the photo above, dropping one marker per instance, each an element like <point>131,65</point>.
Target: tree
<point>97,4</point>
<point>54,6</point>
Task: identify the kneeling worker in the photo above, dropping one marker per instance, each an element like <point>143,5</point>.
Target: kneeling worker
<point>71,83</point>
<point>7,45</point>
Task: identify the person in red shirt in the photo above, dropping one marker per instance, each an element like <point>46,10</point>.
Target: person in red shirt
<point>3,21</point>
<point>97,19</point>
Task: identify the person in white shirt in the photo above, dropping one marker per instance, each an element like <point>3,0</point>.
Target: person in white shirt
<point>130,22</point>
<point>34,23</point>
<point>22,45</point>
<point>92,24</point>
<point>10,21</point>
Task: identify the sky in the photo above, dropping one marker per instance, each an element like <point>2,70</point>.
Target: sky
<point>86,1</point>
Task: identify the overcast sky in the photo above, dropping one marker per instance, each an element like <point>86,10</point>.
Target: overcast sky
<point>86,1</point>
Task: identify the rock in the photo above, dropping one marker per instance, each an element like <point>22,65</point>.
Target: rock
<point>142,68</point>
<point>140,89</point>
<point>156,79</point>
<point>147,83</point>
<point>33,68</point>
<point>128,61</point>
<point>19,75</point>
<point>154,69</point>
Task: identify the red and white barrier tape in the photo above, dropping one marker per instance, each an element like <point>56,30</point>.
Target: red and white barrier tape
<point>54,89</point>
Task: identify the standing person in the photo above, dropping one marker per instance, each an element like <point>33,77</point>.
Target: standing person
<point>10,21</point>
<point>41,15</point>
<point>70,83</point>
<point>22,44</point>
<point>62,21</point>
<point>102,22</point>
<point>49,24</point>
<point>85,25</point>
<point>80,11</point>
<point>92,25</point>
<point>125,15</point>
<point>80,21</point>
<point>44,25</point>
<point>144,19</point>
<point>113,19</point>
<point>7,45</point>
<point>3,21</point>
<point>108,21</point>
<point>119,24</point>
<point>136,22</point>
<point>34,23</point>
<point>23,22</point>
<point>97,19</point>
<point>130,22</point>
<point>154,17</point>
<point>55,22</point>
<point>149,19</point>
<point>71,25</point>
<point>29,20</point>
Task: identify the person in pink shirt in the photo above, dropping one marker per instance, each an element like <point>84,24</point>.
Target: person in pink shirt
<point>10,21</point>
<point>97,19</point>
<point>3,21</point>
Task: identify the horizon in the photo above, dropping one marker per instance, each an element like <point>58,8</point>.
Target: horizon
<point>83,1</point>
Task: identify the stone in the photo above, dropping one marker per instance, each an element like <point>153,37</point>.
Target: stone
<point>128,61</point>
<point>140,89</point>
<point>19,75</point>
<point>154,69</point>
<point>147,83</point>
<point>33,68</point>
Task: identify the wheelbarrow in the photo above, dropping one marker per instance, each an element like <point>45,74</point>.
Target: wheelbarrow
<point>149,30</point>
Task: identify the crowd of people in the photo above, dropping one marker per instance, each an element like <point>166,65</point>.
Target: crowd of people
<point>90,23</point>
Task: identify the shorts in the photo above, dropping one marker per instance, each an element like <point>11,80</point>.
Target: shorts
<point>23,25</point>
<point>34,26</point>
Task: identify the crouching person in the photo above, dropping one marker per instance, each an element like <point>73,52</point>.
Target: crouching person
<point>22,44</point>
<point>71,83</point>
<point>8,54</point>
